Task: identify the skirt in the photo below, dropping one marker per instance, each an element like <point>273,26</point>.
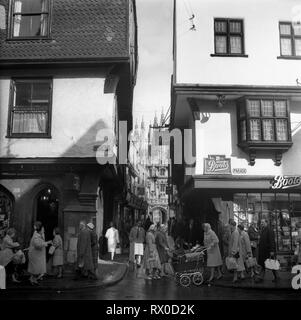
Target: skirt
<point>138,249</point>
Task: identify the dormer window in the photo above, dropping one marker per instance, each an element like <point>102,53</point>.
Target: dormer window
<point>30,19</point>
<point>263,125</point>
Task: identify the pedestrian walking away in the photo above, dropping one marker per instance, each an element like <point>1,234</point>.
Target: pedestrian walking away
<point>214,258</point>
<point>137,240</point>
<point>113,239</point>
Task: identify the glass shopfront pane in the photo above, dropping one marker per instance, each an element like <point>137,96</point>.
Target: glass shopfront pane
<point>283,222</point>
<point>240,208</point>
<point>267,206</point>
<point>254,207</point>
<point>295,206</point>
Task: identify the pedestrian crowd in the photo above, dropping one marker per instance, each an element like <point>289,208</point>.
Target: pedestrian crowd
<point>245,253</point>
<point>152,248</point>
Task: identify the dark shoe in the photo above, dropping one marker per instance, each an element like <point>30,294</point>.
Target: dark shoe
<point>275,280</point>
<point>258,280</point>
<point>220,277</point>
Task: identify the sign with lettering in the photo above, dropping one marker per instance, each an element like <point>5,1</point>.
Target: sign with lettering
<point>239,171</point>
<point>285,182</point>
<point>217,164</point>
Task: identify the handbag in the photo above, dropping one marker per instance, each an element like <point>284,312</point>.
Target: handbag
<point>118,249</point>
<point>272,264</point>
<point>231,263</point>
<point>51,250</point>
<point>250,262</point>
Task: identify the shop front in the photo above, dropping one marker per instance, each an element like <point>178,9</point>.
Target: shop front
<point>249,199</point>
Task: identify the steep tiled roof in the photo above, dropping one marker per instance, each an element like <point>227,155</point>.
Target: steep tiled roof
<point>80,29</point>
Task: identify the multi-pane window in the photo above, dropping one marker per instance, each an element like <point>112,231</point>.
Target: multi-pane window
<point>30,18</point>
<point>228,37</point>
<point>264,120</point>
<point>162,188</point>
<point>290,39</point>
<point>30,108</point>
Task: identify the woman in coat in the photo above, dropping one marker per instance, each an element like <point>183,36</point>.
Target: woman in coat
<point>152,263</point>
<point>214,258</point>
<point>245,243</point>
<point>236,251</point>
<point>137,239</point>
<point>113,239</point>
<point>9,258</point>
<point>37,254</point>
<point>162,246</point>
<point>57,258</point>
<point>298,242</point>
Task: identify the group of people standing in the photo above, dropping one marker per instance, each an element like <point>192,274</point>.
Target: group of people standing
<point>14,259</point>
<point>154,246</point>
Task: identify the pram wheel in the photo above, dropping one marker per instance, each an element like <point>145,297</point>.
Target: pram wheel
<point>185,281</point>
<point>197,278</point>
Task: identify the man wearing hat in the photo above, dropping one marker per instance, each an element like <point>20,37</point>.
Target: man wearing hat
<point>94,246</point>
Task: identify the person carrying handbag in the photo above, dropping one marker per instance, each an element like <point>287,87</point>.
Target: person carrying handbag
<point>266,250</point>
<point>235,252</point>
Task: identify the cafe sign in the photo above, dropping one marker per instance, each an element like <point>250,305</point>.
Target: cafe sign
<point>285,182</point>
<point>217,164</point>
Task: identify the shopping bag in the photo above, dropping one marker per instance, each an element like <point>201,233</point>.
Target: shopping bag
<point>250,262</point>
<point>272,264</point>
<point>51,250</point>
<point>118,250</point>
<point>231,263</point>
<point>2,278</point>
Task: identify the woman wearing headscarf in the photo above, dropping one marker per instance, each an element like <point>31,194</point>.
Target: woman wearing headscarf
<point>235,251</point>
<point>37,254</point>
<point>214,258</point>
<point>246,249</point>
<point>162,246</point>
<point>152,263</point>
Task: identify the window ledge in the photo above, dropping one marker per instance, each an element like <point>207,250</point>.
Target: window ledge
<point>28,136</point>
<point>289,57</point>
<point>229,55</point>
<point>28,39</point>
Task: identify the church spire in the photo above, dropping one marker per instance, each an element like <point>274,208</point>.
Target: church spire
<point>155,120</point>
<point>162,118</point>
<point>142,124</point>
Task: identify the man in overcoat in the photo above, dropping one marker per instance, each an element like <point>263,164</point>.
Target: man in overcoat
<point>266,249</point>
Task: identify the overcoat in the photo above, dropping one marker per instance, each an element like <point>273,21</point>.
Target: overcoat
<point>84,250</point>
<point>266,245</point>
<point>137,235</point>
<point>151,256</point>
<point>7,254</point>
<point>235,247</point>
<point>214,258</point>
<point>37,254</point>
<point>113,238</point>
<point>57,259</point>
<point>245,245</point>
<point>161,243</point>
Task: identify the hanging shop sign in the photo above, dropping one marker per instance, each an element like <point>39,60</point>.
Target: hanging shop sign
<point>217,164</point>
<point>285,182</point>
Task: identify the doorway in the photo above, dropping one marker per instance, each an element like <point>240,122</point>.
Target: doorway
<point>48,210</point>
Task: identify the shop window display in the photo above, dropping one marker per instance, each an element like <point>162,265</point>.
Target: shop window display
<point>283,212</point>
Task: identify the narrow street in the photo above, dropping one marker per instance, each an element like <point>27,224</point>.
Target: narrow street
<point>132,288</point>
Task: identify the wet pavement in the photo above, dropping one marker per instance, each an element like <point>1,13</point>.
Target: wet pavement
<point>138,288</point>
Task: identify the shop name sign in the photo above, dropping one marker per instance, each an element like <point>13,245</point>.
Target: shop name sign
<point>217,164</point>
<point>285,182</point>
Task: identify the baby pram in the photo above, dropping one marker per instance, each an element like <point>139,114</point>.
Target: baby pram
<point>189,266</point>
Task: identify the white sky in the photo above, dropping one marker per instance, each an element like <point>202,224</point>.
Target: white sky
<point>152,91</point>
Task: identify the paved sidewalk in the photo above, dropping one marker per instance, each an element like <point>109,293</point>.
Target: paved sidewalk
<point>109,273</point>
<point>284,283</point>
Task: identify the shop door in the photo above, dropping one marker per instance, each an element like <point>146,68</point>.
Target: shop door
<point>47,211</point>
